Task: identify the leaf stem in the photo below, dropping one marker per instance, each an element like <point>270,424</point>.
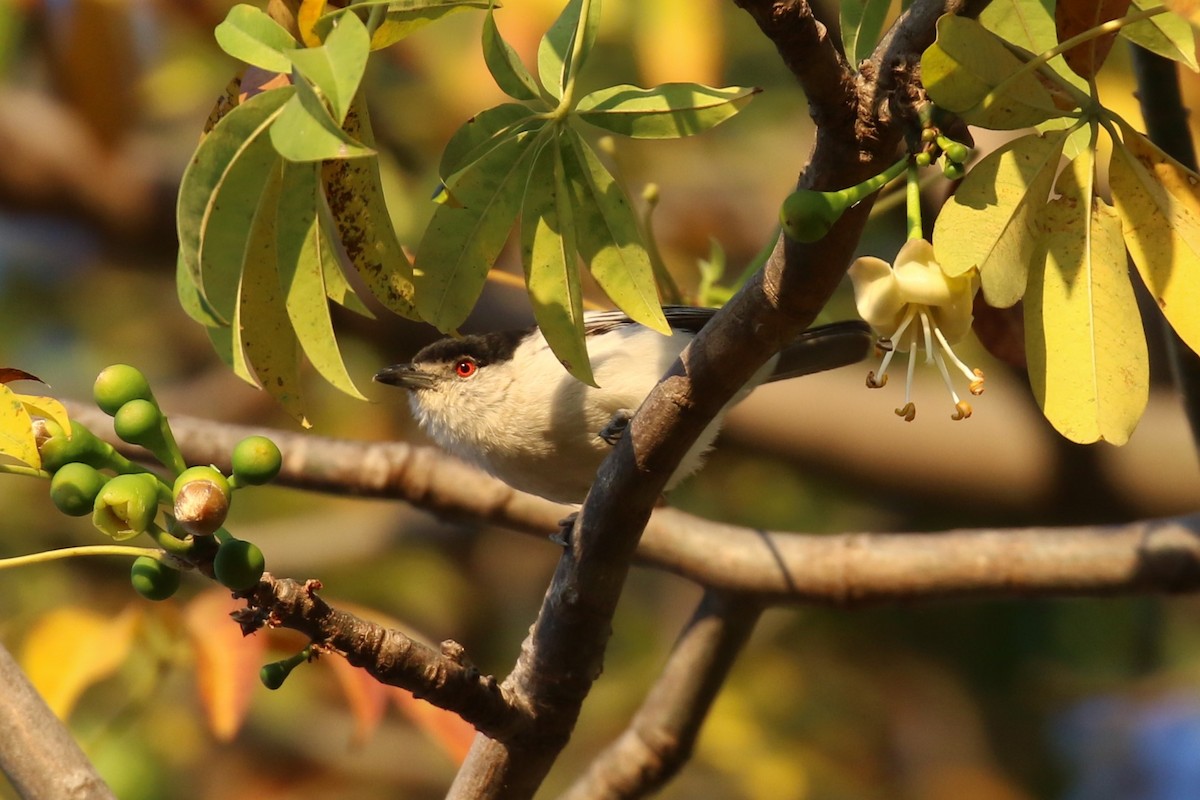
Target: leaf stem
<point>913,198</point>
<point>76,552</point>
<point>1043,59</point>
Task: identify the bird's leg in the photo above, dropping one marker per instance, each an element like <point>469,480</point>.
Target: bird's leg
<point>566,526</point>
<point>616,427</point>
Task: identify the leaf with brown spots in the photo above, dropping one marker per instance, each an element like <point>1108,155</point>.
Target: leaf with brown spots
<point>1073,17</point>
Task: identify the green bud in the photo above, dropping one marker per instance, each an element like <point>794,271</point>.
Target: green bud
<point>117,385</point>
<point>808,215</point>
<point>153,579</point>
<point>138,422</point>
<point>952,169</point>
<point>256,460</point>
<point>74,487</point>
<point>201,497</point>
<point>126,506</point>
<point>81,446</point>
<point>923,159</point>
<point>238,565</point>
<point>274,674</point>
<point>957,152</point>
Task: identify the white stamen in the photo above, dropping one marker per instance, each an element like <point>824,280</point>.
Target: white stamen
<point>928,338</point>
<point>963,368</point>
<point>908,384</point>
<point>941,365</point>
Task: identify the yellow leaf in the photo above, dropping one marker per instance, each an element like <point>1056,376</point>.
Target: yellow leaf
<point>1088,364</point>
<point>1159,203</point>
<point>16,429</point>
<point>46,407</point>
<point>227,663</point>
<point>991,222</point>
<point>310,12</point>
<point>72,648</point>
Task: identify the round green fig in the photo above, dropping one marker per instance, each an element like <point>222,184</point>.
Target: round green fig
<point>238,565</point>
<point>256,460</point>
<point>153,579</point>
<point>117,385</point>
<point>138,422</point>
<point>74,487</point>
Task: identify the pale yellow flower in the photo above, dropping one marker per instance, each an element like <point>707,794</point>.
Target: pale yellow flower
<point>914,305</point>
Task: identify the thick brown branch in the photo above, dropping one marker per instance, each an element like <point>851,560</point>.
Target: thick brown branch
<point>660,738</point>
<point>37,753</point>
<point>445,679</point>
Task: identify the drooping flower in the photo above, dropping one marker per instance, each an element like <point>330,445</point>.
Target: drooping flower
<point>914,305</point>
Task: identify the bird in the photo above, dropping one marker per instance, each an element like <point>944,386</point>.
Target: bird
<point>503,402</point>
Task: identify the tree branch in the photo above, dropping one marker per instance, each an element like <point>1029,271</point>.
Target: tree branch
<point>37,752</point>
<point>660,738</point>
<point>446,679</point>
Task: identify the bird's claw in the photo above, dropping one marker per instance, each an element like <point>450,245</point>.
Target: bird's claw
<point>616,427</point>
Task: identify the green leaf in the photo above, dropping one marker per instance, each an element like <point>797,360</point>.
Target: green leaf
<point>210,165</point>
<point>263,326</point>
<point>550,258</point>
<point>190,298</point>
<point>1159,205</point>
<point>505,65</point>
<point>861,24</point>
<point>479,134</point>
<point>969,71</point>
<point>305,254</point>
<point>608,236</point>
<point>1029,24</point>
<point>249,35</point>
<point>669,111</point>
<point>306,132</point>
<point>461,243</point>
<point>403,17</point>
<point>1168,35</point>
<point>336,68</point>
<point>992,221</point>
<point>227,228</point>
<point>16,430</point>
<point>354,191</point>
<point>554,51</point>
<point>1088,363</point>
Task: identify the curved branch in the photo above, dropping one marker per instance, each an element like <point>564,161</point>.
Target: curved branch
<point>660,738</point>
<point>445,679</point>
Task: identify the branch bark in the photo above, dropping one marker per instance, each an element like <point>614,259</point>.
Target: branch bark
<point>660,738</point>
<point>37,752</point>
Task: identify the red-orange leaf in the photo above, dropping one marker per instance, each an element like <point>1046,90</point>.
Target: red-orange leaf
<point>1073,17</point>
<point>10,374</point>
<point>227,663</point>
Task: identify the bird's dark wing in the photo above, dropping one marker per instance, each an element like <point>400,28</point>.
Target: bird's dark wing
<point>688,319</point>
<point>838,344</point>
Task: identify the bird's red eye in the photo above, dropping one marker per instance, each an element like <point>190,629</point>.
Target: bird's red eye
<point>465,368</point>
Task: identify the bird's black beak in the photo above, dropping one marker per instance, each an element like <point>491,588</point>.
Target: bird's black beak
<point>405,376</point>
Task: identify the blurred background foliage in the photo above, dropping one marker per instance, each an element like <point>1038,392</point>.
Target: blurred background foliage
<point>101,104</point>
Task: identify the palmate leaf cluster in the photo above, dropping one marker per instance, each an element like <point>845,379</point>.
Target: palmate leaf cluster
<point>1044,233</point>
<point>283,198</point>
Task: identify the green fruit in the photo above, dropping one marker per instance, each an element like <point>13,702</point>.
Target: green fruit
<point>957,152</point>
<point>138,422</point>
<point>256,460</point>
<point>952,170</point>
<point>74,488</point>
<point>274,674</point>
<point>82,446</point>
<point>117,385</point>
<point>808,215</point>
<point>126,506</point>
<point>923,159</point>
<point>239,565</point>
<point>153,579</point>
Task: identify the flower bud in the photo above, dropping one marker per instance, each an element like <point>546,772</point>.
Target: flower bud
<point>139,422</point>
<point>74,488</point>
<point>256,460</point>
<point>153,579</point>
<point>238,565</point>
<point>201,500</point>
<point>81,446</point>
<point>117,385</point>
<point>126,506</point>
<point>808,215</point>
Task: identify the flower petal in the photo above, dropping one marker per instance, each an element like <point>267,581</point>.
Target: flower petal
<point>876,294</point>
